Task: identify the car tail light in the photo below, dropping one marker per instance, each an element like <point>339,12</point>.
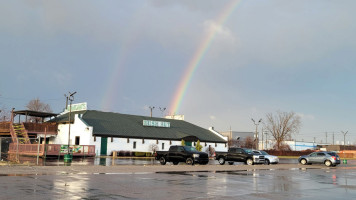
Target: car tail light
<point>333,157</point>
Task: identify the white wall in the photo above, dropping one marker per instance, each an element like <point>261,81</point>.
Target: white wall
<point>78,128</point>
<point>121,144</point>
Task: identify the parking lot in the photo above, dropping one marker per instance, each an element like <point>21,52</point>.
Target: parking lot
<point>284,181</point>
<point>155,181</point>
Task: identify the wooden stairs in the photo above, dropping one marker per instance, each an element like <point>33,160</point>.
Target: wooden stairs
<point>19,134</point>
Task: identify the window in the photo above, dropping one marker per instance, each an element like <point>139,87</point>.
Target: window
<point>143,141</point>
<point>162,146</point>
<point>112,139</point>
<point>77,140</point>
<point>94,138</point>
<point>216,144</point>
<point>128,140</point>
<point>134,145</point>
<point>156,141</point>
<point>205,143</point>
<point>170,142</point>
<point>321,154</point>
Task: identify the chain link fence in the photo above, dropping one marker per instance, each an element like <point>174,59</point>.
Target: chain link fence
<point>20,152</point>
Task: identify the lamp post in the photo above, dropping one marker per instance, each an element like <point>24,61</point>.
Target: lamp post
<point>68,158</point>
<point>344,133</point>
<point>151,108</point>
<point>256,124</point>
<point>266,139</point>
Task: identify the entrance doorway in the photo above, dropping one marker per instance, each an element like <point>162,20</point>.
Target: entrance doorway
<point>104,146</point>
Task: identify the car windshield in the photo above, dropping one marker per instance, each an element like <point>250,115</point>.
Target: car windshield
<point>191,149</point>
<point>248,150</point>
<point>264,153</point>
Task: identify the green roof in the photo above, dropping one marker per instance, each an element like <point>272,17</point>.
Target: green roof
<point>131,126</point>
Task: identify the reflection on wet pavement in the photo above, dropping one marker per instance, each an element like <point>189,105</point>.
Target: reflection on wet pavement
<point>250,184</point>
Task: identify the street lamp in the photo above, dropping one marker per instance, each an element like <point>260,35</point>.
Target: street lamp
<point>68,158</point>
<point>256,124</point>
<point>151,109</point>
<point>344,133</point>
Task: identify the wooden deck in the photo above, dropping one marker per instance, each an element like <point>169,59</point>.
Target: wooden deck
<point>51,150</point>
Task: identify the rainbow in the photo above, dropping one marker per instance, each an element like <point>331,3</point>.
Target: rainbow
<point>198,57</point>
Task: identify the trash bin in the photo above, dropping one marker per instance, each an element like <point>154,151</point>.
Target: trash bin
<point>67,157</point>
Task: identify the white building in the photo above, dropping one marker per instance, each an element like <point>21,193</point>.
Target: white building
<point>121,132</point>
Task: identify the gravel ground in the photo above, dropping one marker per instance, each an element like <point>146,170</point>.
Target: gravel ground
<point>124,169</point>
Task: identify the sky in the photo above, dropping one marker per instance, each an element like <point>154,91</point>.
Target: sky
<point>218,63</point>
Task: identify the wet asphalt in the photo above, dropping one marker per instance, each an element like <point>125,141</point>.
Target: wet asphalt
<point>274,183</point>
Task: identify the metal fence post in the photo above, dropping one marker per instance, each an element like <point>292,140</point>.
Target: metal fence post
<point>0,148</point>
<point>38,148</point>
<point>17,151</point>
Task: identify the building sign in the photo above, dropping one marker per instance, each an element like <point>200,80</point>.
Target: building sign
<point>73,149</point>
<point>77,107</point>
<point>156,123</point>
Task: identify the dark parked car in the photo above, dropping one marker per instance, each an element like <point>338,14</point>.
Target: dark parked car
<point>186,154</point>
<point>248,156</point>
<point>324,157</point>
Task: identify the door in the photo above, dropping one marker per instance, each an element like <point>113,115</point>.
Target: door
<point>104,146</point>
<point>313,158</point>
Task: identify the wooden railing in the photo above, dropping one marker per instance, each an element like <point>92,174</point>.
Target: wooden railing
<point>40,128</point>
<point>5,127</point>
<point>51,149</point>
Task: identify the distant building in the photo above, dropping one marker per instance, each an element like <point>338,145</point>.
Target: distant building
<point>121,132</point>
<point>301,146</point>
<point>236,135</point>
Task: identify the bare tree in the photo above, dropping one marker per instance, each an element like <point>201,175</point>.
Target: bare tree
<point>234,142</point>
<point>248,143</point>
<point>5,114</point>
<point>282,125</point>
<point>37,105</point>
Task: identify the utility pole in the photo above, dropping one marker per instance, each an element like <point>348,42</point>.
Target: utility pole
<point>66,101</point>
<point>266,139</point>
<point>256,137</point>
<point>326,137</point>
<point>262,138</point>
<point>70,98</point>
<point>151,108</point>
<point>333,139</point>
<point>314,143</point>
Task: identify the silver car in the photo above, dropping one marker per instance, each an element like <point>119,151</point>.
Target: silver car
<point>269,159</point>
<point>324,157</point>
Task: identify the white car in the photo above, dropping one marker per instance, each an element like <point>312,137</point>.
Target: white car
<point>269,159</point>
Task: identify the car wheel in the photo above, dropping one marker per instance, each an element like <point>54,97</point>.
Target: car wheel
<point>328,163</point>
<point>162,160</point>
<point>249,161</point>
<point>303,161</point>
<point>175,163</point>
<point>231,163</point>
<point>221,160</point>
<point>267,162</point>
<point>189,161</point>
